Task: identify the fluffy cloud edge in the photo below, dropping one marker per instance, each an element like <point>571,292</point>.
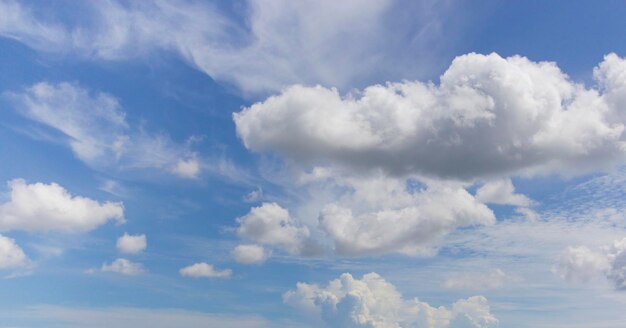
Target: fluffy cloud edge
<point>132,244</point>
<point>50,207</point>
<point>204,270</point>
<point>373,302</point>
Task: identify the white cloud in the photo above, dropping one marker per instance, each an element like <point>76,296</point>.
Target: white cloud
<point>249,254</point>
<point>131,244</point>
<point>373,302</point>
<point>47,207</point>
<point>17,22</point>
<point>479,280</point>
<point>581,264</point>
<point>476,123</point>
<point>410,229</point>
<point>501,192</point>
<point>188,168</point>
<point>128,317</point>
<point>377,166</point>
<point>123,266</point>
<point>95,128</point>
<point>11,255</point>
<point>271,224</point>
<point>280,43</point>
<point>204,270</point>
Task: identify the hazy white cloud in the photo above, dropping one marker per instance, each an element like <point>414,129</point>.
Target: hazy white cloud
<point>280,43</point>
<point>373,302</point>
<point>47,207</point>
<point>188,168</point>
<point>271,224</point>
<point>132,244</point>
<point>476,123</point>
<point>250,254</point>
<point>204,270</point>
<point>376,166</point>
<point>113,187</point>
<point>254,195</point>
<point>96,130</point>
<point>18,22</point>
<point>501,192</point>
<point>11,255</point>
<point>128,317</point>
<point>582,264</point>
<point>123,266</point>
<point>479,280</point>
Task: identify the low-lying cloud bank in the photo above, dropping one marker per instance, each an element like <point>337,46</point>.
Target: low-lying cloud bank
<point>373,302</point>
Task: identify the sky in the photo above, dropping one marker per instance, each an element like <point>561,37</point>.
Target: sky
<point>182,163</point>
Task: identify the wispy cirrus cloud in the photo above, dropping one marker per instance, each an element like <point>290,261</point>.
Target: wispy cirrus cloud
<point>275,43</point>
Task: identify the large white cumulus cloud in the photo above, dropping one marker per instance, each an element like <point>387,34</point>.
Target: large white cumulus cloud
<point>373,302</point>
<point>488,116</point>
<point>46,207</point>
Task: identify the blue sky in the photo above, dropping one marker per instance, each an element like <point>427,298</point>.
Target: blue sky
<point>312,164</point>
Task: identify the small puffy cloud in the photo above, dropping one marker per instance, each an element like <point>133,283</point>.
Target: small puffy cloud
<point>97,131</point>
<point>479,280</point>
<point>204,270</point>
<point>188,168</point>
<point>373,302</point>
<point>480,121</point>
<point>249,254</point>
<point>270,224</point>
<point>123,266</point>
<point>501,192</point>
<point>131,244</point>
<point>11,255</point>
<point>47,207</point>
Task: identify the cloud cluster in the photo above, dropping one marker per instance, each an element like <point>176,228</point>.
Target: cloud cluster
<point>379,165</point>
<point>409,228</point>
<point>365,215</point>
<point>488,116</point>
<point>95,128</point>
<point>132,244</point>
<point>204,270</point>
<point>581,264</point>
<point>48,207</point>
<point>11,255</point>
<point>373,302</point>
